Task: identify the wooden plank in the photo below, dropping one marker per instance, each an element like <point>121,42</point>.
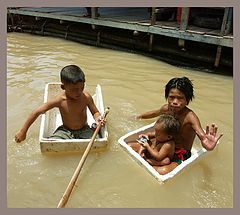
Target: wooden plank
<point>211,39</point>
<point>196,32</point>
<point>217,40</point>
<point>63,10</point>
<point>168,24</point>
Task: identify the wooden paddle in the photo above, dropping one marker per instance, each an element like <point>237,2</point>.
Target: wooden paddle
<point>71,184</point>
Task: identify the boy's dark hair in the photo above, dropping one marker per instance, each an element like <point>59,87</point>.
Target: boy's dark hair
<point>169,124</point>
<point>183,84</point>
<point>72,74</point>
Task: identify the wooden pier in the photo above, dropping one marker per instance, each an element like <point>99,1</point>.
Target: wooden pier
<point>137,28</point>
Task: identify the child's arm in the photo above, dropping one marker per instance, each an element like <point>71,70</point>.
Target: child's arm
<point>94,110</point>
<point>153,113</point>
<point>149,114</point>
<point>21,134</point>
<point>153,162</point>
<point>162,153</point>
<point>98,118</point>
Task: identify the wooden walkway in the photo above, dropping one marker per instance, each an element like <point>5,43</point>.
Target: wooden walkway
<point>135,19</point>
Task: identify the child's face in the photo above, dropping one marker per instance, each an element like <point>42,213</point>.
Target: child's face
<point>176,100</point>
<point>73,91</point>
<point>161,135</point>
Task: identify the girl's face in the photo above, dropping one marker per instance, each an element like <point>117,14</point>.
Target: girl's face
<point>176,100</point>
<point>73,91</point>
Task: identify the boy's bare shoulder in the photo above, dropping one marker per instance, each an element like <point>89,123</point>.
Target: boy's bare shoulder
<point>57,100</point>
<point>190,112</point>
<point>164,108</point>
<point>190,115</point>
<point>87,95</point>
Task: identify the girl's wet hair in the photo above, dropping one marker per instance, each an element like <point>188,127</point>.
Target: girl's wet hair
<point>182,84</point>
<point>72,74</point>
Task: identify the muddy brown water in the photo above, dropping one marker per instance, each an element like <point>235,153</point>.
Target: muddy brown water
<point>131,84</point>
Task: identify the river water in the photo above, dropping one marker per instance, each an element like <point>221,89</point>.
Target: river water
<point>131,84</point>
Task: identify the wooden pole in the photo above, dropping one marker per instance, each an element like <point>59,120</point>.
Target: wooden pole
<point>73,180</point>
<point>152,22</point>
<point>184,24</point>
<point>223,27</point>
<point>94,15</point>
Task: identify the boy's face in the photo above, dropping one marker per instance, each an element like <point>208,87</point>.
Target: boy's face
<point>161,135</point>
<point>73,91</point>
<point>176,100</point>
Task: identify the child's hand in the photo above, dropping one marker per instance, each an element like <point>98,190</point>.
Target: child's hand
<point>145,145</point>
<point>137,117</point>
<point>144,136</point>
<point>210,139</point>
<point>20,136</point>
<point>142,151</point>
<point>143,140</point>
<point>101,120</point>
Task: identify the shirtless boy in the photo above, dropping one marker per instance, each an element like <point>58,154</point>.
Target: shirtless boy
<point>72,103</point>
<point>160,147</point>
<point>178,93</point>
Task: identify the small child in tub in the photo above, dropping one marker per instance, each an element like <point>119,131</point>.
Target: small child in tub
<point>158,147</point>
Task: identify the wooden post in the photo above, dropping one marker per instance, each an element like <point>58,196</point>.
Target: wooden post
<point>94,15</point>
<point>229,21</point>
<point>94,12</point>
<point>152,22</point>
<point>11,17</point>
<point>42,29</point>
<point>98,38</point>
<point>153,16</point>
<point>222,32</point>
<point>184,24</point>
<point>66,34</point>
